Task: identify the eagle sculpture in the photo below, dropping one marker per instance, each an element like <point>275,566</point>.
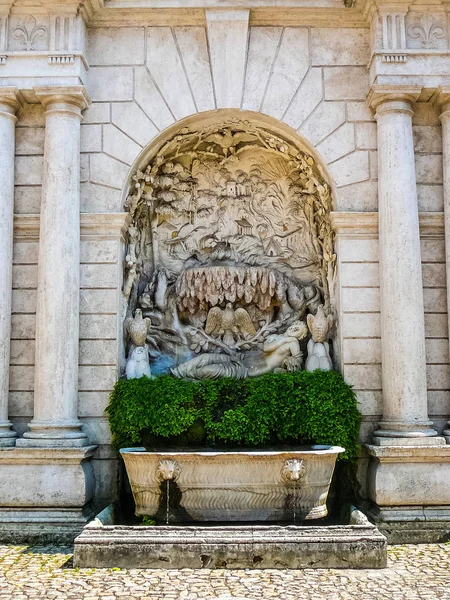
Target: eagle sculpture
<point>137,328</point>
<point>319,325</point>
<point>229,325</point>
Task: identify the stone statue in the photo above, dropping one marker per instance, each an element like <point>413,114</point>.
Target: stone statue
<point>138,364</point>
<point>319,325</point>
<point>318,347</point>
<point>229,325</point>
<point>137,328</point>
<point>280,351</point>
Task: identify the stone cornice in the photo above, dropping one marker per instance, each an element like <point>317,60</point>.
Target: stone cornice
<point>439,453</point>
<point>92,226</point>
<point>42,456</point>
<point>366,224</point>
<point>121,13</point>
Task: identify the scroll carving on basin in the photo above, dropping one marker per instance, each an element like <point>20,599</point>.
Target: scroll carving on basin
<point>230,256</point>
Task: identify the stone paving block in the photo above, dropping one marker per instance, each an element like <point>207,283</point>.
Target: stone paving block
<point>415,572</point>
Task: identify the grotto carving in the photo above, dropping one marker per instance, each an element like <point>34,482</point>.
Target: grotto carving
<point>229,253</point>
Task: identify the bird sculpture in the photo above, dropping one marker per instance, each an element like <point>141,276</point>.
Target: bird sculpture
<point>228,140</point>
<point>229,325</point>
<point>137,328</point>
<point>319,325</point>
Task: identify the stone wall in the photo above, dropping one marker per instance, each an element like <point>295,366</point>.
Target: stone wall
<point>141,81</point>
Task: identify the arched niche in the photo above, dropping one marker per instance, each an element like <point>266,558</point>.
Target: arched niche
<point>230,241</point>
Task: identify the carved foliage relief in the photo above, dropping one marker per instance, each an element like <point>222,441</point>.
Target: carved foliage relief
<point>230,248</point>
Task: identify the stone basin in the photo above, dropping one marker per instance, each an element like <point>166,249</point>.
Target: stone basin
<point>243,485</point>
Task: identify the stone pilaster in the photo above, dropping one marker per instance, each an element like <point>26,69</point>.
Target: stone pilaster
<point>405,413</point>
<point>9,103</point>
<point>442,98</point>
<point>55,422</point>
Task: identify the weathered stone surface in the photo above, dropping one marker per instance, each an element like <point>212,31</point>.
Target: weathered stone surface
<point>351,168</point>
<point>290,67</point>
<point>98,112</point>
<point>193,47</point>
<point>150,100</point>
<point>29,141</point>
<point>340,47</point>
<point>28,170</point>
<point>346,83</point>
<point>99,198</point>
<point>263,45</point>
<point>134,122</point>
<point>27,199</point>
<point>119,145</point>
<point>91,138</point>
<point>233,548</point>
<point>308,96</point>
<point>361,325</point>
<point>162,58</point>
<point>240,485</point>
<point>323,121</point>
<point>105,170</point>
<point>338,144</point>
<point>116,46</point>
<point>111,84</point>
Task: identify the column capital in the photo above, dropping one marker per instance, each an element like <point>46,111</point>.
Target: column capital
<point>73,98</point>
<point>10,101</point>
<point>441,98</point>
<point>393,98</point>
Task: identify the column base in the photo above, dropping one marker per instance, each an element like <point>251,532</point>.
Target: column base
<point>7,435</point>
<point>400,430</point>
<point>412,524</point>
<point>410,488</point>
<point>446,434</point>
<point>43,435</point>
<point>45,493</point>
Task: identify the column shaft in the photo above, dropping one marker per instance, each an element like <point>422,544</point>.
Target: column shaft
<point>445,120</point>
<point>55,421</point>
<point>405,412</point>
<point>8,107</point>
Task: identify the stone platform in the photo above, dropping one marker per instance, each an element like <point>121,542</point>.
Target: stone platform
<point>231,547</point>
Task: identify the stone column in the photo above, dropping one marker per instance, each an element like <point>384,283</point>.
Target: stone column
<point>405,412</point>
<point>55,422</point>
<point>8,106</point>
<point>443,100</point>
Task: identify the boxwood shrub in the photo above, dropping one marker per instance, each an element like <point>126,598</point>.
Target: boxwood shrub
<point>275,410</point>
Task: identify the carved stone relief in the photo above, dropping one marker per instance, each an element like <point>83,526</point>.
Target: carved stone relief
<point>426,31</point>
<point>230,248</point>
<point>27,33</point>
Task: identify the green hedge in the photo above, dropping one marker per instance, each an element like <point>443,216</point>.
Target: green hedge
<point>272,410</point>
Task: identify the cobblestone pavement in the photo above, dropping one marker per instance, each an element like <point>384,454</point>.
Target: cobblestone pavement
<point>414,572</point>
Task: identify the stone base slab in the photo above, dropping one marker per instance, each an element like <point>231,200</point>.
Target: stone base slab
<point>45,526</point>
<point>45,493</point>
<point>413,524</point>
<point>231,547</point>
